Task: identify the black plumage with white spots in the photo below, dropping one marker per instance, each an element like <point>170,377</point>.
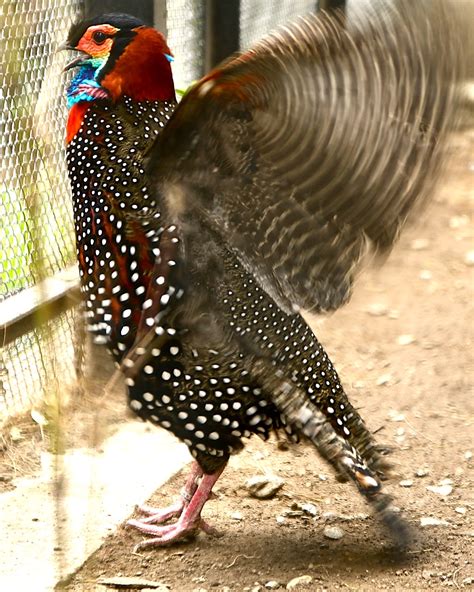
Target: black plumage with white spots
<point>204,229</point>
<point>208,402</point>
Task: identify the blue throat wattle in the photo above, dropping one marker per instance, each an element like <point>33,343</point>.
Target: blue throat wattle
<point>84,86</point>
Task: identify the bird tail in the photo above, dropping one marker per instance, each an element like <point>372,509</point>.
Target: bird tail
<point>306,419</point>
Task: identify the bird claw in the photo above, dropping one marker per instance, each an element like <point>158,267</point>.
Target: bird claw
<point>187,509</point>
<point>160,515</point>
<point>171,533</point>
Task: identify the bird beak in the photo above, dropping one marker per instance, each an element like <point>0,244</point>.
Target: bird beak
<point>76,61</point>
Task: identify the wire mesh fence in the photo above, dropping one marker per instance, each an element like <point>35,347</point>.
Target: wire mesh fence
<point>39,364</point>
<point>36,235</point>
<point>258,17</point>
<point>34,210</point>
<point>185,22</point>
<point>36,238</point>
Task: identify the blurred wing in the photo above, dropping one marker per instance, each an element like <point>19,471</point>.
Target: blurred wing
<point>311,149</point>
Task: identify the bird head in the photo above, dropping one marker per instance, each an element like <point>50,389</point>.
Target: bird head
<point>120,56</point>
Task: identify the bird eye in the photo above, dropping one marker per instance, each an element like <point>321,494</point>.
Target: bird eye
<point>99,37</point>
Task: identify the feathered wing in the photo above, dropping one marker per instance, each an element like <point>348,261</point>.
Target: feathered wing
<point>312,148</point>
<point>290,162</point>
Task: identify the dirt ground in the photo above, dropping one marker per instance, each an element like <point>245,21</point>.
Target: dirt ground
<point>403,348</point>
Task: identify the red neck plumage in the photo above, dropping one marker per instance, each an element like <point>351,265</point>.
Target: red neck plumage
<point>142,72</point>
<point>74,120</point>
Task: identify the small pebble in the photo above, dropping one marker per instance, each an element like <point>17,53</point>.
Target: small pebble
<point>429,521</point>
<point>300,582</point>
<point>420,244</point>
<point>333,532</point>
<point>237,516</point>
<point>469,258</point>
<point>377,309</point>
<point>383,379</point>
<point>310,509</point>
<point>405,339</point>
<point>458,221</point>
<point>440,489</point>
<point>446,481</point>
<point>468,455</point>
<point>395,416</point>
<point>264,486</point>
<point>306,508</point>
<point>406,483</point>
<point>460,510</point>
<point>272,585</point>
<point>15,434</point>
<point>426,275</point>
<point>422,472</point>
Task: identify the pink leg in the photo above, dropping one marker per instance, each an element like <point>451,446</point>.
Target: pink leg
<point>159,515</point>
<point>189,521</point>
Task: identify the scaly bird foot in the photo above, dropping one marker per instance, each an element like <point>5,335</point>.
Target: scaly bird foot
<point>188,508</point>
<point>170,533</point>
<point>160,515</point>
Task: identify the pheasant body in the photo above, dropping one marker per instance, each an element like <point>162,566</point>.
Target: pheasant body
<point>208,402</point>
<point>203,229</point>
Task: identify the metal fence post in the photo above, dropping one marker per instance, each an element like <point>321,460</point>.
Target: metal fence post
<point>222,34</point>
<point>161,16</point>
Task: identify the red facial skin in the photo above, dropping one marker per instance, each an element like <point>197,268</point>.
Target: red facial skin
<point>88,45</point>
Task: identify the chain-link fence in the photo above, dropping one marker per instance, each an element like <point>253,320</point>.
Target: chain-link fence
<point>258,17</point>
<point>36,237</point>
<point>33,210</point>
<point>36,234</point>
<point>185,24</point>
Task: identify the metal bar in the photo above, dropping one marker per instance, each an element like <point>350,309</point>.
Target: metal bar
<point>161,16</point>
<point>222,35</point>
<point>142,9</point>
<point>23,312</point>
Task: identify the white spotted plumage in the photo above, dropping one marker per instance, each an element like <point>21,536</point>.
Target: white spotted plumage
<point>206,399</point>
